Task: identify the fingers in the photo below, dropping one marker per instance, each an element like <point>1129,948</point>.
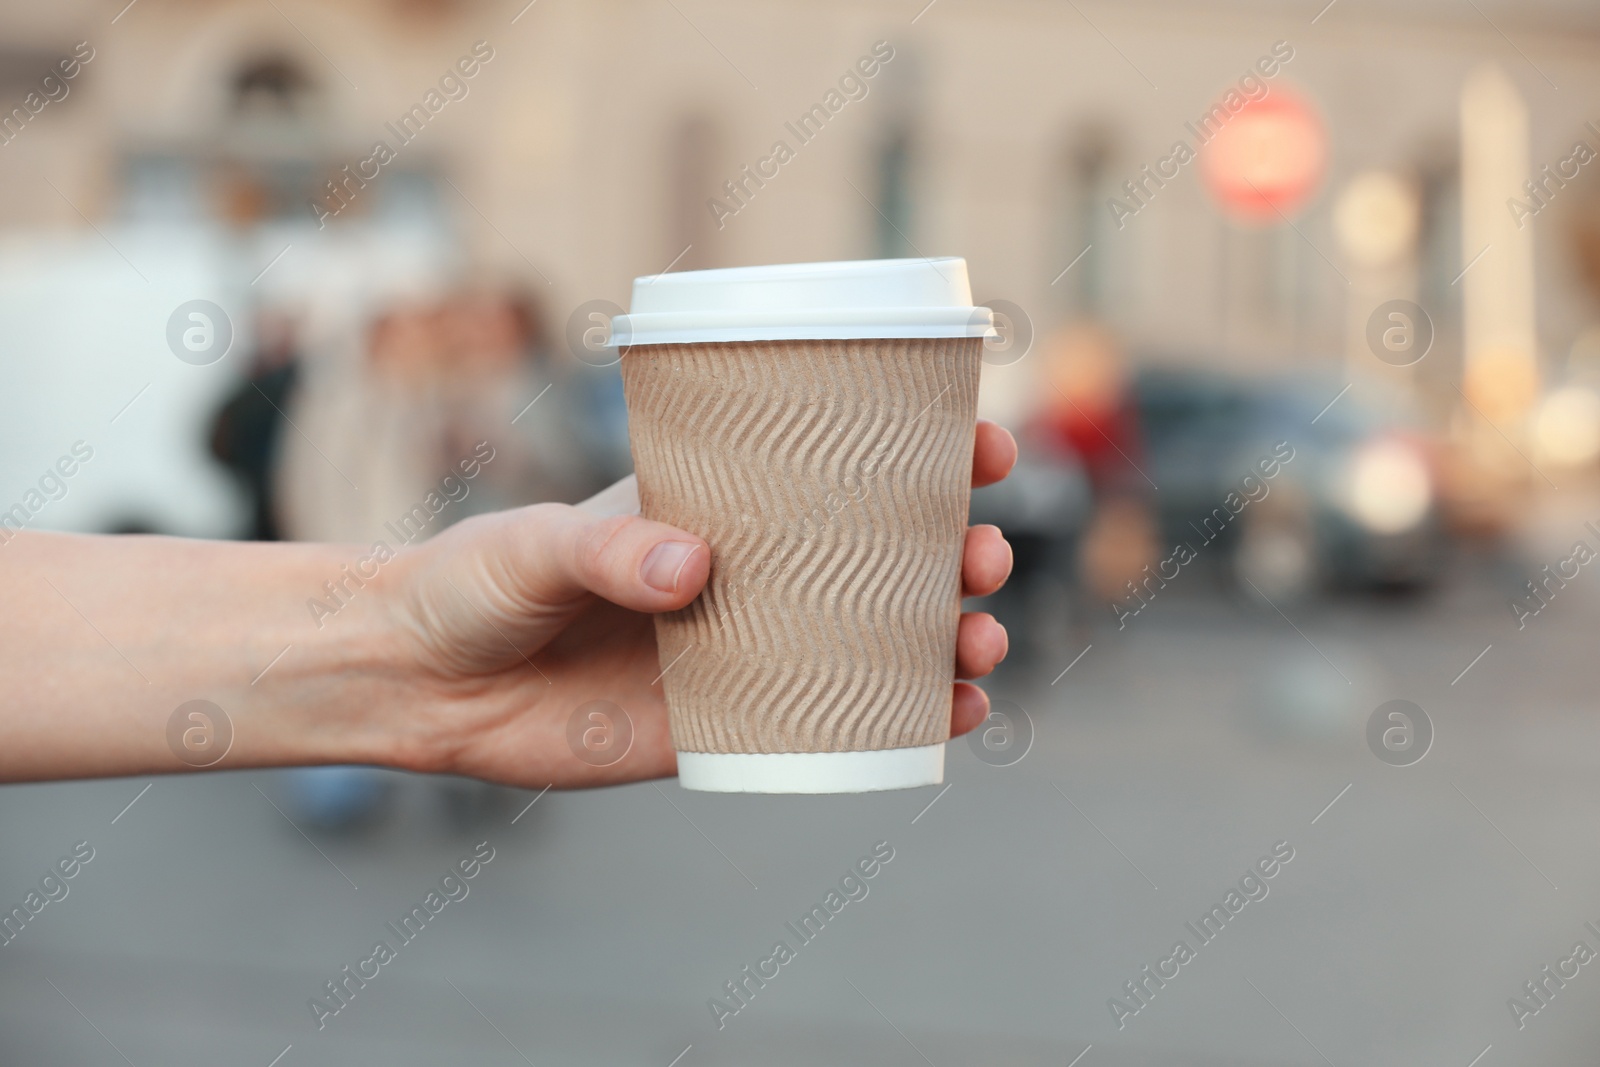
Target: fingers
<point>985,561</point>
<point>565,552</point>
<point>969,706</point>
<point>994,453</point>
<point>981,643</point>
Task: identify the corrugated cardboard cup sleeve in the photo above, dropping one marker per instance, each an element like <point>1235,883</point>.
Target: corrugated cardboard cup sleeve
<point>831,480</point>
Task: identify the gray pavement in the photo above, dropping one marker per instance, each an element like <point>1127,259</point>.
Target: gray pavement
<point>1168,760</point>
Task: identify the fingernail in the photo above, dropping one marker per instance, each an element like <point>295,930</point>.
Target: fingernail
<point>665,562</point>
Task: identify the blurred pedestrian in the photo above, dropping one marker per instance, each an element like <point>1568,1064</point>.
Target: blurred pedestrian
<point>247,430</point>
<point>369,427</point>
<point>506,386</point>
<point>1087,413</point>
<point>365,452</point>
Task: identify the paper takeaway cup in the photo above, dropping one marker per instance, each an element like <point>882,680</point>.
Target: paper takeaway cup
<point>814,423</point>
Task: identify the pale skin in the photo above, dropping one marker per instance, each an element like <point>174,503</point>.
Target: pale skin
<point>465,655</point>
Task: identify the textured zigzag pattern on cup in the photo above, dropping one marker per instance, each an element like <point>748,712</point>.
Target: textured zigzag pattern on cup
<point>832,481</point>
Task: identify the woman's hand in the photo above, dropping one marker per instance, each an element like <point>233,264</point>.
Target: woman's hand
<point>517,619</point>
<point>467,654</point>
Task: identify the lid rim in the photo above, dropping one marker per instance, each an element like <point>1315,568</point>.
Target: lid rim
<point>752,338</point>
<point>782,272</point>
<point>842,299</point>
<point>628,331</point>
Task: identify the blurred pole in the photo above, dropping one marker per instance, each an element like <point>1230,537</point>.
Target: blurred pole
<point>1376,222</point>
<point>1500,370</point>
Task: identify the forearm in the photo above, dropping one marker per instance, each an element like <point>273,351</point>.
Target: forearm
<point>102,639</point>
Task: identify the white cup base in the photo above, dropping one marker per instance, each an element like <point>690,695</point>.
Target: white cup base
<point>811,772</point>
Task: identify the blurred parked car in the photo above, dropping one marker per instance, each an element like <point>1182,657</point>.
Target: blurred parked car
<point>1043,508</point>
<point>1356,505</point>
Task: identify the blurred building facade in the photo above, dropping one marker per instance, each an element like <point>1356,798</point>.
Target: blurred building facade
<point>576,146</point>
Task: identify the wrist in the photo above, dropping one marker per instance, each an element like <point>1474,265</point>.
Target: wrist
<point>343,687</point>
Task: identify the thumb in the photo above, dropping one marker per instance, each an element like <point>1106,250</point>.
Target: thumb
<point>567,552</point>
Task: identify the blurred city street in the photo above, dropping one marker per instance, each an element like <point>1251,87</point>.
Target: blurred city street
<point>1166,761</point>
<point>1294,757</point>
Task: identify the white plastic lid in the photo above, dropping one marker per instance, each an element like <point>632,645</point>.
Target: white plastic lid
<point>802,301</point>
